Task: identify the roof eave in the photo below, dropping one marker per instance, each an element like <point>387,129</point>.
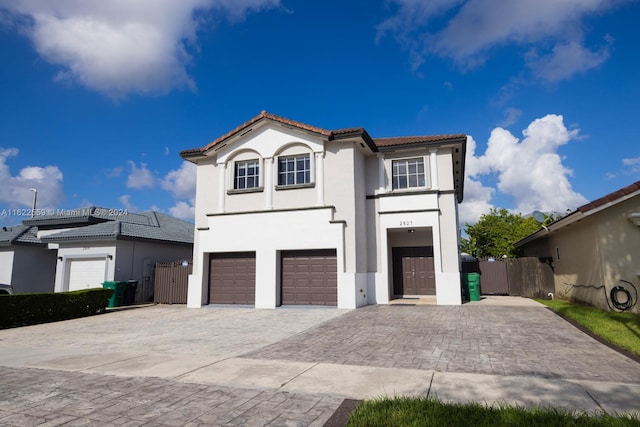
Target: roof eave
<point>357,133</point>
<point>192,155</point>
<point>445,141</point>
<point>555,226</point>
<point>196,153</point>
<point>63,239</point>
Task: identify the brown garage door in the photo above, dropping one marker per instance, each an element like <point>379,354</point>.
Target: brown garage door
<point>232,278</point>
<point>310,277</point>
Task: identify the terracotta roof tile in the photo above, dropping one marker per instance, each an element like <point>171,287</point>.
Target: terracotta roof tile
<point>610,197</point>
<point>330,134</point>
<point>261,116</point>
<point>404,140</point>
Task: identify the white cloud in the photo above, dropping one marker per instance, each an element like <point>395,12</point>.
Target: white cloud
<point>566,60</point>
<point>181,182</point>
<point>14,190</point>
<point>477,197</point>
<point>140,177</point>
<point>632,165</point>
<point>476,202</point>
<point>119,47</point>
<point>125,200</point>
<point>466,31</point>
<point>183,210</point>
<point>115,172</point>
<point>511,115</point>
<point>530,171</point>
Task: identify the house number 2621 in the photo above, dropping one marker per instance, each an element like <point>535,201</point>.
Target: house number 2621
<point>406,223</point>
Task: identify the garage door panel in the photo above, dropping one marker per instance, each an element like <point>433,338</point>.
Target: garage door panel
<point>309,277</point>
<point>86,273</point>
<point>232,278</point>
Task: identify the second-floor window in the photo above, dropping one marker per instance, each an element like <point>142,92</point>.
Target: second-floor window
<point>246,175</point>
<point>294,170</point>
<point>408,173</point>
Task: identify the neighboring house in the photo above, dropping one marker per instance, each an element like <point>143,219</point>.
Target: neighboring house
<point>92,245</point>
<point>288,213</point>
<point>25,262</point>
<point>595,250</point>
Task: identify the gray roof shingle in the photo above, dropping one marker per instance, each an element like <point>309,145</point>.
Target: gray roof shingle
<point>142,226</point>
<point>19,234</point>
<point>94,223</point>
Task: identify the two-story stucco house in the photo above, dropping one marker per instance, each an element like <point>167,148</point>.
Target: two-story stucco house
<point>288,213</point>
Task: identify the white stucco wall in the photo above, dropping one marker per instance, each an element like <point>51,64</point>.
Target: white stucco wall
<point>67,252</point>
<point>267,234</point>
<point>125,260</point>
<point>345,173</point>
<point>435,211</point>
<point>132,256</point>
<point>135,260</point>
<point>6,265</point>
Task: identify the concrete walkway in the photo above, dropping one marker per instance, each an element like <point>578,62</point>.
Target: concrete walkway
<point>169,365</point>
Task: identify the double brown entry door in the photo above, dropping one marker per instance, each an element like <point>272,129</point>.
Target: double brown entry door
<point>413,271</point>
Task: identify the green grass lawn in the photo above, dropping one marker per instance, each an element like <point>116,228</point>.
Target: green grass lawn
<point>422,411</point>
<point>621,329</point>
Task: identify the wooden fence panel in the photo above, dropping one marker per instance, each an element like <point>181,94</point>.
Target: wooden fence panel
<point>493,278</point>
<point>530,277</point>
<point>171,283</point>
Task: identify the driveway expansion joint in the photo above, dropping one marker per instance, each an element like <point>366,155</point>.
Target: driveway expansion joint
<point>246,366</point>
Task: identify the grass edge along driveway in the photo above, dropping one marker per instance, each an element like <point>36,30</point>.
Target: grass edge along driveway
<point>619,329</point>
<point>424,411</point>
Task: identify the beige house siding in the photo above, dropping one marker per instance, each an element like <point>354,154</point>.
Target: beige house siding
<point>591,255</point>
<point>577,261</point>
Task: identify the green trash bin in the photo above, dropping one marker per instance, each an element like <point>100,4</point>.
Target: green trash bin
<point>118,287</point>
<point>473,286</point>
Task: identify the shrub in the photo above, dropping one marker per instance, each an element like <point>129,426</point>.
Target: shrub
<point>30,309</point>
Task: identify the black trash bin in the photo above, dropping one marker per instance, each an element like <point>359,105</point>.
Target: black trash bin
<point>130,292</point>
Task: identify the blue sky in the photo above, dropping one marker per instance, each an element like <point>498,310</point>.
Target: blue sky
<point>99,97</point>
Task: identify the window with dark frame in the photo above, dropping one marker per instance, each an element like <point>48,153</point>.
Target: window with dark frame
<point>294,170</point>
<point>408,173</point>
<point>246,175</point>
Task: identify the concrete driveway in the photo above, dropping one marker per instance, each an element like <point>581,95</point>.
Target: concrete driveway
<point>169,365</point>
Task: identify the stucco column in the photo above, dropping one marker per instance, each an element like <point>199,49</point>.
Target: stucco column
<point>320,179</point>
<point>268,182</point>
<point>381,174</point>
<point>222,186</point>
<point>433,168</point>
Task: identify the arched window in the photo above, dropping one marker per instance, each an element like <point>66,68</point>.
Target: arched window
<point>245,172</point>
<point>295,166</point>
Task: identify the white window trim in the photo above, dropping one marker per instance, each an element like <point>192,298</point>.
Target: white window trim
<point>427,174</point>
<point>231,177</point>
<point>312,171</point>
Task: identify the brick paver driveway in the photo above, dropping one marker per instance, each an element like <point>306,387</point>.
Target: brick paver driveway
<point>148,366</point>
<point>495,340</point>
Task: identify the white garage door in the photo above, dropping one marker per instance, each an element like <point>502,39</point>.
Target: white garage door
<point>86,273</point>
